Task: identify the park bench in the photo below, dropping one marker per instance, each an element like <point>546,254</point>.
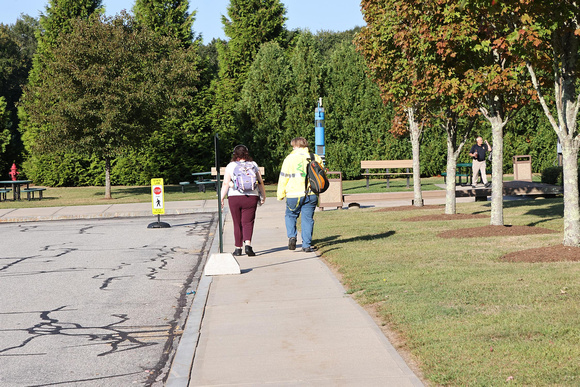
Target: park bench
<point>3,193</point>
<point>462,170</point>
<point>387,165</point>
<point>183,184</point>
<point>30,192</point>
<point>223,171</point>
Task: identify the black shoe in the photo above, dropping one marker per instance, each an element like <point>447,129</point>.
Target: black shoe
<point>473,186</point>
<point>487,185</point>
<point>237,252</point>
<point>292,243</point>
<point>310,249</point>
<point>250,252</point>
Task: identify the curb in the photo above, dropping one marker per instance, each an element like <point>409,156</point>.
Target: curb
<point>180,370</point>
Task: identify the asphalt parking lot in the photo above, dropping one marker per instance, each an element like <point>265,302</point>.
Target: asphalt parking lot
<point>97,302</point>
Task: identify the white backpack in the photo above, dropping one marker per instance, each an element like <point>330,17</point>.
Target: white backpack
<point>244,176</point>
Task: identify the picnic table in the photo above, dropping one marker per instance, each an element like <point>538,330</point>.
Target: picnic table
<point>15,184</point>
<point>202,180</point>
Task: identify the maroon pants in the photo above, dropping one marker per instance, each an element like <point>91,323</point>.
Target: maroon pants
<point>243,210</point>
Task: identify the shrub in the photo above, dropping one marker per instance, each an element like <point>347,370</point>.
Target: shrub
<point>552,175</point>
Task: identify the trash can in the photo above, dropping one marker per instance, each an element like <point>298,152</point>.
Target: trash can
<point>333,195</point>
<point>523,167</point>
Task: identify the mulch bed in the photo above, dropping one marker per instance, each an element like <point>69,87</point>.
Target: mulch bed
<point>407,208</point>
<point>557,253</point>
<point>487,231</point>
<point>437,217</point>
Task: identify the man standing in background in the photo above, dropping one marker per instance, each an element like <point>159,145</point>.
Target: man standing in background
<point>478,153</point>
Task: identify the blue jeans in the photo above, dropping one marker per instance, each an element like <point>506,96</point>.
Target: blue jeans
<point>306,206</point>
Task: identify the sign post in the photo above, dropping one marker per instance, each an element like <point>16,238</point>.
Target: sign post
<point>158,203</point>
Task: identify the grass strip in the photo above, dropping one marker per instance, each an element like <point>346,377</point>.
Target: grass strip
<point>467,317</point>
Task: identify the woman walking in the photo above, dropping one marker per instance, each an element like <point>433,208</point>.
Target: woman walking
<point>244,187</point>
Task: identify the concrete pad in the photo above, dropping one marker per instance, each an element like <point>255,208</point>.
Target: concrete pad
<point>38,213</point>
<point>221,264</point>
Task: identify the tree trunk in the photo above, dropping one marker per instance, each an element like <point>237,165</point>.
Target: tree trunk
<point>571,199</point>
<point>567,105</point>
<point>450,198</point>
<point>497,172</point>
<point>453,150</point>
<point>416,128</point>
<point>108,178</point>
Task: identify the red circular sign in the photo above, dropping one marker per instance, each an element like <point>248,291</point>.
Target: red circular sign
<point>157,190</point>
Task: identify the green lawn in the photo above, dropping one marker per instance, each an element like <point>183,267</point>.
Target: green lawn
<point>466,316</point>
<point>76,196</point>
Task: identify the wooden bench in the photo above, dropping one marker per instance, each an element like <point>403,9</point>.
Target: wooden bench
<point>3,193</point>
<point>387,165</point>
<point>32,191</point>
<point>223,171</point>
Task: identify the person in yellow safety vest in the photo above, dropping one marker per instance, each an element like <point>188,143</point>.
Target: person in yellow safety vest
<point>299,200</point>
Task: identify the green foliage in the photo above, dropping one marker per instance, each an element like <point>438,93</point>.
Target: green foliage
<point>552,175</point>
<point>59,16</point>
<point>249,24</point>
<point>106,88</point>
<point>305,89</point>
<point>264,99</point>
<point>357,122</point>
<point>5,136</point>
<point>166,18</point>
<point>65,169</point>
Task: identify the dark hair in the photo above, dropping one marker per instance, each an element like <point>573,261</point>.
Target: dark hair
<point>241,153</point>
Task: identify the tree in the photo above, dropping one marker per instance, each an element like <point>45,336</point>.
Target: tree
<point>55,21</point>
<point>249,24</point>
<point>495,81</point>
<point>14,67</point>
<point>547,35</point>
<point>166,18</point>
<point>264,99</point>
<point>106,87</point>
<point>357,122</point>
<point>305,88</point>
<point>398,59</point>
<point>5,135</point>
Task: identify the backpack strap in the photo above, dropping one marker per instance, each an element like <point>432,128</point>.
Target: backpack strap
<point>309,160</point>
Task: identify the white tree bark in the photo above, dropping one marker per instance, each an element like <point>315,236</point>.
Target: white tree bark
<point>566,127</point>
<point>453,151</point>
<point>416,128</point>
<point>498,121</point>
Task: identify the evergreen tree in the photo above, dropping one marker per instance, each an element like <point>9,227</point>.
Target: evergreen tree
<point>249,24</point>
<point>357,122</point>
<point>166,18</point>
<point>264,100</point>
<point>306,87</point>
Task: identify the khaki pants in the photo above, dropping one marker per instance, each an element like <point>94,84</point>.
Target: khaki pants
<point>479,166</point>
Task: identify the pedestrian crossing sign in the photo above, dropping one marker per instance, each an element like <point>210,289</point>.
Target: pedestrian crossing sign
<point>157,196</point>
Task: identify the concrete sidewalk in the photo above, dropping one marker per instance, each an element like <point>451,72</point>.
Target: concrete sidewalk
<point>286,320</point>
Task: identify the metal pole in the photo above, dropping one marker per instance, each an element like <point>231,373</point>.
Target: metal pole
<point>218,189</point>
